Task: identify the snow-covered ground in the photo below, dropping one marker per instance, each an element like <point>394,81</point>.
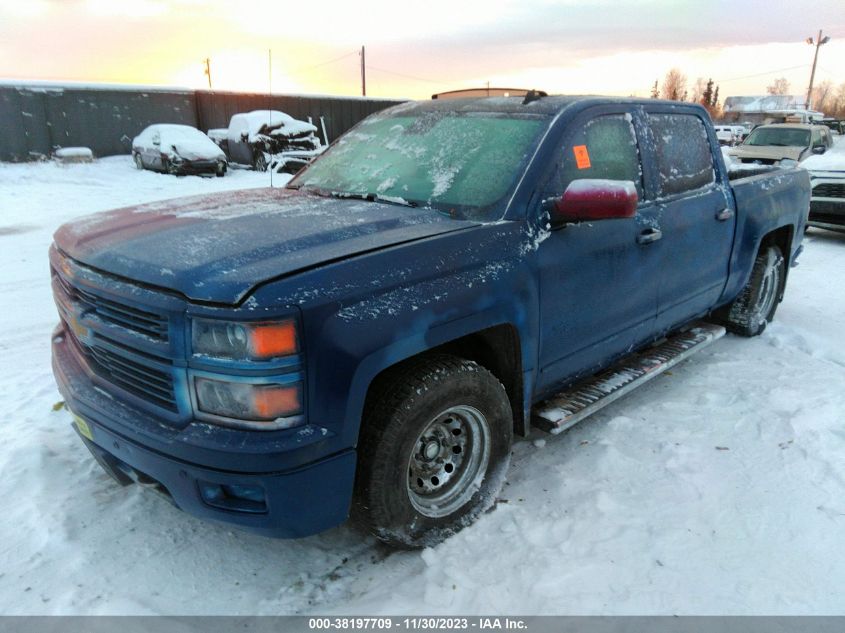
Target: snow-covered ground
<point>717,488</point>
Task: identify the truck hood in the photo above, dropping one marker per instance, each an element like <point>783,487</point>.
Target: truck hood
<point>832,162</point>
<point>216,248</point>
<point>768,152</point>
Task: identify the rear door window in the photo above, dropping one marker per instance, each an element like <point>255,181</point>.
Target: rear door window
<point>682,152</point>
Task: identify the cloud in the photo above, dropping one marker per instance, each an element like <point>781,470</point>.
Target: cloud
<point>418,47</point>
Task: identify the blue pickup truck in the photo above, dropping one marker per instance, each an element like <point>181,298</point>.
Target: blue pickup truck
<point>368,341</point>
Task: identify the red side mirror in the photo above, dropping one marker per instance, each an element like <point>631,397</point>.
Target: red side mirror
<point>595,199</point>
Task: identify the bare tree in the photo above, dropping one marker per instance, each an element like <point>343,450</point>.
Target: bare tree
<point>779,86</point>
<point>698,89</point>
<point>824,97</point>
<point>674,85</point>
<point>838,109</point>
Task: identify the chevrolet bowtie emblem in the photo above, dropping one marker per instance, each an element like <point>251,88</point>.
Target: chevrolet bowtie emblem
<point>78,329</point>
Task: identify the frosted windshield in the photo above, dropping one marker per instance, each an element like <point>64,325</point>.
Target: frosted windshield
<point>460,162</point>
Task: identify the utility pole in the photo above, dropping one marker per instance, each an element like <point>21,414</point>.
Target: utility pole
<point>363,74</point>
<point>208,70</point>
<point>821,40</point>
<point>270,166</point>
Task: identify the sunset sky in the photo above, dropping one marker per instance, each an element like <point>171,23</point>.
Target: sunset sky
<point>417,48</point>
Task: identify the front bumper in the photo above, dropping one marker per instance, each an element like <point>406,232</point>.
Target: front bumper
<point>827,202</point>
<point>298,501</point>
<point>827,213</point>
<point>197,166</point>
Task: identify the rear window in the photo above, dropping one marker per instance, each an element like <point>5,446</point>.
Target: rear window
<point>682,150</point>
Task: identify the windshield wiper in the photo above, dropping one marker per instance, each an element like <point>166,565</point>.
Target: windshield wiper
<point>374,197</point>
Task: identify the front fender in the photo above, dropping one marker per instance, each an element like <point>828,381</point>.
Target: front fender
<point>403,349</point>
<point>366,314</point>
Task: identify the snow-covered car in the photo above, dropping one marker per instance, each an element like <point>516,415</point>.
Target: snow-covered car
<point>177,149</point>
<point>269,139</point>
<point>827,179</point>
<point>741,132</point>
<point>726,134</point>
<point>770,144</point>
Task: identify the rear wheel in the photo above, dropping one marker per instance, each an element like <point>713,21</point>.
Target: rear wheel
<point>755,306</point>
<point>221,170</point>
<point>139,163</point>
<point>434,450</point>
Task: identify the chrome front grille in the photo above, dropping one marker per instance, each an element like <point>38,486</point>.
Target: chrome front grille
<point>106,359</point>
<point>94,323</point>
<point>141,321</point>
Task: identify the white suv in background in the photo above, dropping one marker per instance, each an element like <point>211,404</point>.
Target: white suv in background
<point>827,179</point>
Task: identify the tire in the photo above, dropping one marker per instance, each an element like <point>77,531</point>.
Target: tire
<point>433,452</point>
<point>139,162</point>
<point>756,304</point>
<point>169,168</point>
<point>260,162</point>
<point>221,170</point>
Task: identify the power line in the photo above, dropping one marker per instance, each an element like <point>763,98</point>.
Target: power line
<point>391,72</point>
<point>768,72</point>
<point>325,63</point>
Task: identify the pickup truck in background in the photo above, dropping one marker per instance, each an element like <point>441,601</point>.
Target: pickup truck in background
<point>771,144</point>
<point>268,139</point>
<point>448,274</point>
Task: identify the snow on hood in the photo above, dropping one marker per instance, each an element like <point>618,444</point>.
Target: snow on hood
<point>190,144</point>
<point>768,152</point>
<point>294,128</point>
<point>198,149</point>
<point>832,160</point>
<point>278,123</point>
<point>218,247</point>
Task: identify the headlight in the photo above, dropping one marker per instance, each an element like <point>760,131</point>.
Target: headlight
<point>244,341</point>
<point>258,403</point>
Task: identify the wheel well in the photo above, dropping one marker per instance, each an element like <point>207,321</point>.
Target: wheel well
<point>497,349</point>
<point>782,238</point>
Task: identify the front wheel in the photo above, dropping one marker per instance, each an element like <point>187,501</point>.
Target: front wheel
<point>434,450</point>
<point>260,162</point>
<point>168,167</point>
<point>756,304</point>
<point>139,162</point>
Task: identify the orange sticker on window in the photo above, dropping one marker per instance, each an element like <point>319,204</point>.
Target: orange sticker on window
<point>582,156</point>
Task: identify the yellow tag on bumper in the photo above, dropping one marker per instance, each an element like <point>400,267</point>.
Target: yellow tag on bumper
<point>83,427</point>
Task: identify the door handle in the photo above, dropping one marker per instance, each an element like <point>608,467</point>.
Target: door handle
<point>649,235</point>
<point>724,214</point>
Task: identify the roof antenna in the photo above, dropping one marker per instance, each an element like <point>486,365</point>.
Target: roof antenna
<point>270,105</point>
<point>533,95</point>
